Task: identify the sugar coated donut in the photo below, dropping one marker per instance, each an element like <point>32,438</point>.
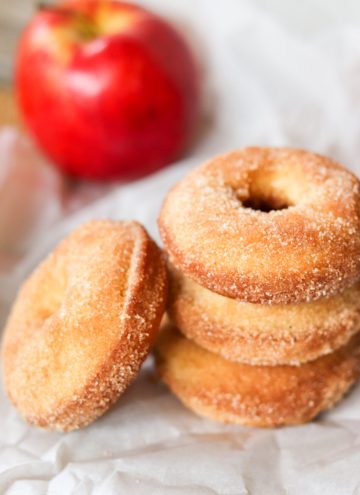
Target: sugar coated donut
<point>266,225</point>
<point>254,395</point>
<point>83,323</point>
<point>262,333</point>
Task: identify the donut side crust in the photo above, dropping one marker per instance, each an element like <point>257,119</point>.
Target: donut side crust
<point>293,335</point>
<point>254,395</point>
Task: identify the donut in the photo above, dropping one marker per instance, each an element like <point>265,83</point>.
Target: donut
<point>253,395</point>
<point>263,334</point>
<point>266,225</point>
<point>83,323</point>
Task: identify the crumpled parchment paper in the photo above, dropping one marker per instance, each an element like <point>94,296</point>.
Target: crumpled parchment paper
<point>264,84</point>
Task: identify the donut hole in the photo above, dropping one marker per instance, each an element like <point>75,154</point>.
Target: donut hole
<point>267,192</point>
<point>50,296</point>
<point>265,204</point>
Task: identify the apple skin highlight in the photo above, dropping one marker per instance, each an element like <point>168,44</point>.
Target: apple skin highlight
<point>108,90</point>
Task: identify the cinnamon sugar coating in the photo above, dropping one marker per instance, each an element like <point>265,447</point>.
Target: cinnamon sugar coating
<point>260,333</point>
<point>254,395</point>
<point>83,323</point>
<point>217,229</point>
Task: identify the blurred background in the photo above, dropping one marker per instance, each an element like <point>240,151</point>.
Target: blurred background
<point>307,17</point>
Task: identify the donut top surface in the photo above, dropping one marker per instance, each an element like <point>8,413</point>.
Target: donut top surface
<point>266,225</point>
<point>83,323</point>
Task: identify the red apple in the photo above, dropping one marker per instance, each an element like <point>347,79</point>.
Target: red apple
<point>108,89</point>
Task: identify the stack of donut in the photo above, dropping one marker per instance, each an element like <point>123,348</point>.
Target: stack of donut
<point>264,255</point>
<point>264,259</point>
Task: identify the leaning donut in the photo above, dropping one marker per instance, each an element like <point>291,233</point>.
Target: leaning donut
<point>266,225</point>
<point>83,323</point>
<point>263,334</point>
<point>254,395</point>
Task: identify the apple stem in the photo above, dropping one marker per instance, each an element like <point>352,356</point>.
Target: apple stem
<point>84,24</point>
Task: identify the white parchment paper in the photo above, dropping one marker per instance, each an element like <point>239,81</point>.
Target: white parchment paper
<point>264,84</point>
